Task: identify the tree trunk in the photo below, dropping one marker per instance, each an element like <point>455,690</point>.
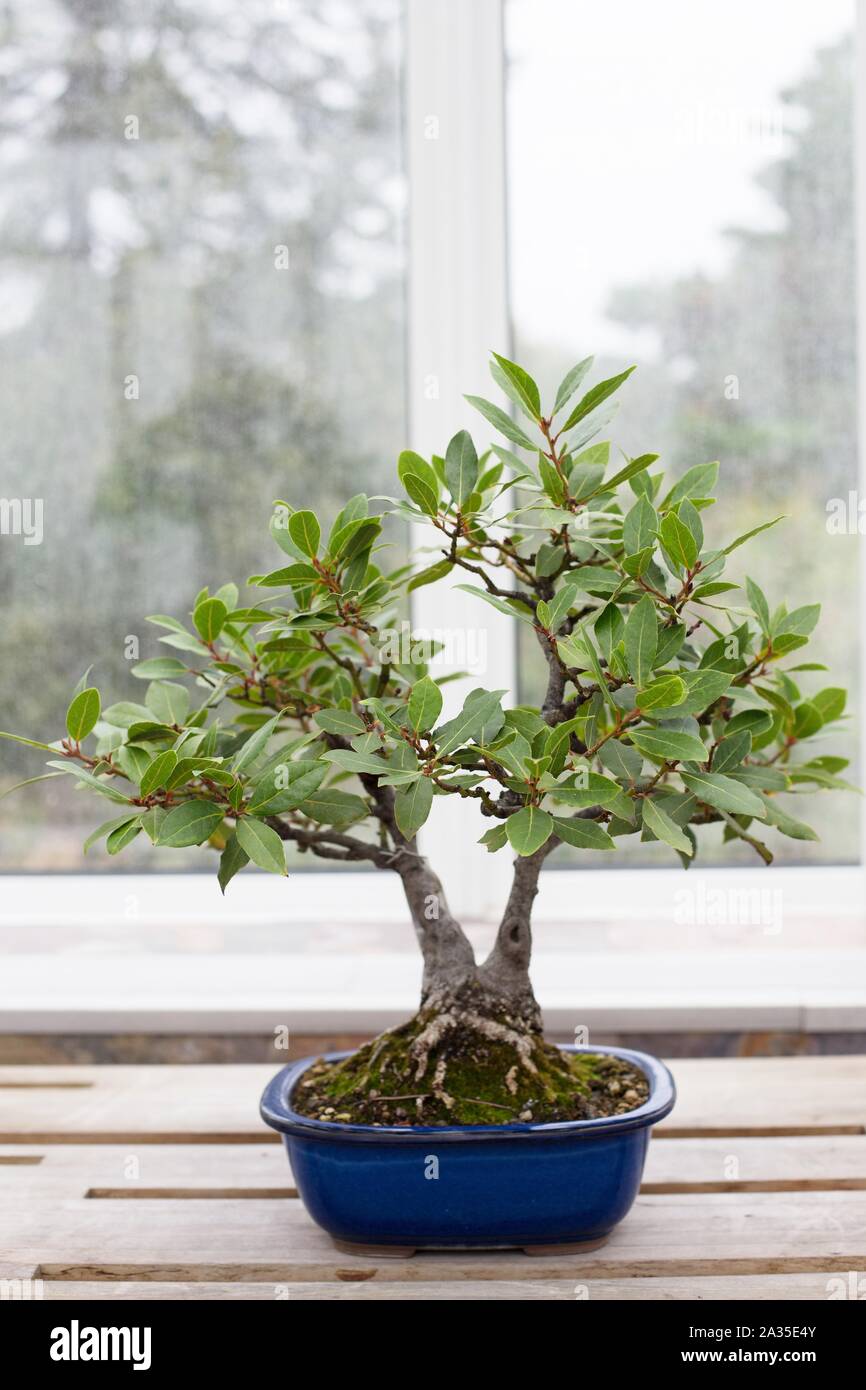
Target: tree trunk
<point>453,984</point>
<point>474,1052</point>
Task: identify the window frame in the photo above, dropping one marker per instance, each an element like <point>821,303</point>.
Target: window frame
<point>457,308</point>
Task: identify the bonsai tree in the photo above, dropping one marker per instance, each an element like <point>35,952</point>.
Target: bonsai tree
<point>670,704</point>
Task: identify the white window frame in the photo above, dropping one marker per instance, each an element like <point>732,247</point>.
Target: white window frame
<point>457,310</point>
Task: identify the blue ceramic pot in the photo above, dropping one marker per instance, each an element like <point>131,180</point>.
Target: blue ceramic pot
<point>529,1185</point>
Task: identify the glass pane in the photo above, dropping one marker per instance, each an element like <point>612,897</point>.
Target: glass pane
<point>201,280</point>
<point>683,198</point>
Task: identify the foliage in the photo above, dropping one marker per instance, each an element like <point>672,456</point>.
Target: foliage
<point>670,703</point>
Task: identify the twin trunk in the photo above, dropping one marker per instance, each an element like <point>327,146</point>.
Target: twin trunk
<point>498,987</point>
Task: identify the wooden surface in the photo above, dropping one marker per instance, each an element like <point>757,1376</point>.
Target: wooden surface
<point>161,1182</point>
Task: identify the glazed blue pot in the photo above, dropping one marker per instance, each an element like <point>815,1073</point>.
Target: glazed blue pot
<point>438,1186</point>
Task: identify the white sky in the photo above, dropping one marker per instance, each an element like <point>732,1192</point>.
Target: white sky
<point>634,132</point>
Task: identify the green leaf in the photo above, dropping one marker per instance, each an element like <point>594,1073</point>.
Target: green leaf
<point>794,829</point>
<point>123,835</point>
<point>583,834</point>
<point>423,496</point>
<point>598,791</point>
<point>830,703</point>
<point>551,481</point>
<point>661,825</point>
<point>512,610</point>
<point>425,705</point>
<point>517,384</point>
<point>461,467</point>
<point>640,527</point>
<point>262,844</point>
<point>254,745</point>
<point>98,784</point>
<point>478,708</point>
<point>691,519</point>
<point>732,750</point>
<point>700,690</point>
<point>351,761</point>
<point>125,713</point>
<point>30,742</point>
<point>191,823</point>
<point>285,785</point>
<point>306,532</point>
<point>632,468</point>
<point>741,540</point>
<point>28,782</point>
<point>83,713</point>
<point>724,793</point>
<point>419,480</point>
<point>158,668</point>
<point>697,481</point>
<point>158,771</point>
<point>340,721</point>
<point>807,720</point>
<point>209,618</point>
<point>678,541</point>
<point>528,830</point>
<point>151,822</point>
<point>232,860</point>
<point>495,838</point>
<point>107,827</point>
<point>670,745</point>
<point>620,759</point>
<point>430,575</point>
<point>595,397</point>
<point>570,383</point>
<point>666,693</point>
<point>801,622</point>
<point>168,702</point>
<point>609,627</point>
<point>641,639</point>
<point>500,421</point>
<point>759,605</point>
<point>670,640</point>
<point>559,605</point>
<point>330,806</point>
<point>412,806</point>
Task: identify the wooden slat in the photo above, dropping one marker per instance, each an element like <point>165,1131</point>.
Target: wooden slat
<point>729,1214</point>
<point>164,1104</point>
<point>753,1288</point>
<point>768,1094</point>
<point>737,1164</point>
<point>678,1165</point>
<point>264,1241</point>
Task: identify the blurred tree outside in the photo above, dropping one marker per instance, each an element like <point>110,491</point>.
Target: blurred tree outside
<point>757,367</point>
<point>201,284</point>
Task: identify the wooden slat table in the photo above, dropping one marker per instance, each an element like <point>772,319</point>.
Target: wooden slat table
<point>160,1182</point>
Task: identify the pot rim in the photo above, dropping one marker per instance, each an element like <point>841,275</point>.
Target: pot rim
<point>277,1112</point>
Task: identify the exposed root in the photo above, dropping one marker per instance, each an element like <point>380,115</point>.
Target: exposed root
<point>485,1064</point>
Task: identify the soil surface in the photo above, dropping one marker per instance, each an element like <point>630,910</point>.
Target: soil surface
<point>482,1086</point>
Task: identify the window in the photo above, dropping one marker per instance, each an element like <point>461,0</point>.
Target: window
<point>201,273</point>
<point>694,214</point>
<point>211,290</point>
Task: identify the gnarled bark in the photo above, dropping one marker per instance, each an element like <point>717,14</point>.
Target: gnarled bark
<point>447,951</point>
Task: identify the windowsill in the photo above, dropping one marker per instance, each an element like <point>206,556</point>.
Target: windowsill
<point>788,989</point>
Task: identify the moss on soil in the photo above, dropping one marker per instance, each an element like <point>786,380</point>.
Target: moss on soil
<point>467,1078</point>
